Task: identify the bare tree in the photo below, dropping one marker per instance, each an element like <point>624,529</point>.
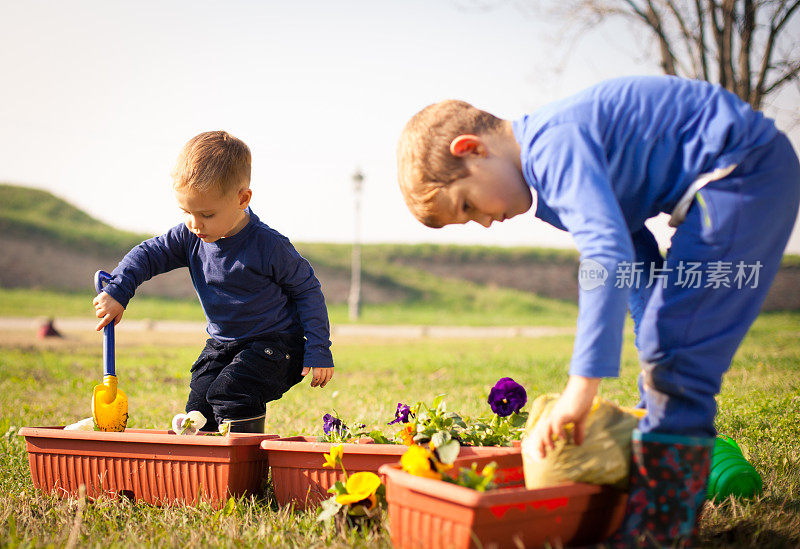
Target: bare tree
<point>747,46</point>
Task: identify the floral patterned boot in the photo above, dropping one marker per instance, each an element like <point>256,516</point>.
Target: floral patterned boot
<point>668,481</point>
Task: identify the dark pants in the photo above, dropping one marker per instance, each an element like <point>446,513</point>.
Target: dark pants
<point>236,379</point>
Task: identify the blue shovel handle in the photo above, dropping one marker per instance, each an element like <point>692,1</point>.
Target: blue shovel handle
<point>101,277</point>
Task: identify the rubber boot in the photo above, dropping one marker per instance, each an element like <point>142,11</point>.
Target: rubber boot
<point>246,425</point>
<point>668,481</point>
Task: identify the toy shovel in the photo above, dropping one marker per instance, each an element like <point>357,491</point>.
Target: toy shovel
<point>109,403</point>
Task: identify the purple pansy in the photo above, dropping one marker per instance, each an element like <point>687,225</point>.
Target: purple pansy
<point>507,397</point>
<point>401,414</point>
<point>332,423</point>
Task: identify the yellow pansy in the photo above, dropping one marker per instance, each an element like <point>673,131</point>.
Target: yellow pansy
<point>360,486</point>
<point>335,457</point>
<point>418,461</point>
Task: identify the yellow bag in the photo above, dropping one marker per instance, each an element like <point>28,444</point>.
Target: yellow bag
<point>603,458</point>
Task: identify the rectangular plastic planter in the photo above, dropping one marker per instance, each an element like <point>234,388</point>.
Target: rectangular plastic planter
<point>148,465</point>
<point>434,514</point>
<point>298,475</point>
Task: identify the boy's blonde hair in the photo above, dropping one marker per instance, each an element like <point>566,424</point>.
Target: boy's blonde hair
<point>424,162</point>
<point>213,161</point>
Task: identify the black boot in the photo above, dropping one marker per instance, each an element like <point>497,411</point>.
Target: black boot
<point>246,425</point>
<point>668,481</point>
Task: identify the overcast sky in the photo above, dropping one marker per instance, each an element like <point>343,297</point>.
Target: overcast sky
<point>98,97</point>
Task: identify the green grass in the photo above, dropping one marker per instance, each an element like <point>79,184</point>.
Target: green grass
<point>463,304</point>
<point>21,302</point>
<point>452,253</point>
<point>47,385</point>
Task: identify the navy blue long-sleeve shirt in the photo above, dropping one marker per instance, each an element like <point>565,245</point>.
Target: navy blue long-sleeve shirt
<point>607,159</point>
<point>251,284</point>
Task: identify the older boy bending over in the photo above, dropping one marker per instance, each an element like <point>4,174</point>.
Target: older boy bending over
<point>601,163</point>
<point>265,309</point>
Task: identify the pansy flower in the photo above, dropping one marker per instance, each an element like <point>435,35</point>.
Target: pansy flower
<point>507,397</point>
<point>361,488</point>
<point>420,462</point>
<point>332,423</point>
<point>188,424</point>
<point>335,457</point>
<point>401,414</point>
<point>489,470</point>
<point>406,434</point>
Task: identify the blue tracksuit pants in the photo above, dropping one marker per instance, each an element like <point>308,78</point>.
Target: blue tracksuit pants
<point>689,325</point>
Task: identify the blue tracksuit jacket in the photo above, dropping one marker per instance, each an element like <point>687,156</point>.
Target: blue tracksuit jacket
<point>605,160</point>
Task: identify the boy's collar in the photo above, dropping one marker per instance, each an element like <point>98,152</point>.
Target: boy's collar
<point>253,218</point>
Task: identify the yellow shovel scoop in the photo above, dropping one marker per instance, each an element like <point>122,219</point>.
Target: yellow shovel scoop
<point>109,403</point>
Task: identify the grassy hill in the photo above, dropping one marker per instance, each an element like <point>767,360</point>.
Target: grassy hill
<point>55,246</point>
<point>35,213</point>
<point>395,287</point>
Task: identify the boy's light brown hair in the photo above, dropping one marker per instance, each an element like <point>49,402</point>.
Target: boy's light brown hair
<point>424,161</point>
<point>213,161</point>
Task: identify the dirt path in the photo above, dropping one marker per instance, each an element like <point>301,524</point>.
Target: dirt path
<point>22,331</point>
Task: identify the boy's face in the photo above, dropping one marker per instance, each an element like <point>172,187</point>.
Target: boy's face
<point>212,215</point>
<point>494,190</point>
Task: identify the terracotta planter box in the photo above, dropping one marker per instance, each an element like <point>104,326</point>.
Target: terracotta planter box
<point>434,514</point>
<point>298,475</point>
<point>148,465</point>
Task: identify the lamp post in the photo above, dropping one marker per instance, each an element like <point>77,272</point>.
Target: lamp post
<point>354,299</point>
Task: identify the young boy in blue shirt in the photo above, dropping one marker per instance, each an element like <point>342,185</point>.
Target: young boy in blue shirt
<point>601,163</point>
<point>265,309</point>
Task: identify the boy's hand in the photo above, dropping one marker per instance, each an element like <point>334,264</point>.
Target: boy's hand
<point>321,376</point>
<point>573,406</point>
<point>107,309</point>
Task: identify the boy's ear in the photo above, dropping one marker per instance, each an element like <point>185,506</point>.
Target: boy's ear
<point>244,197</point>
<point>466,144</point>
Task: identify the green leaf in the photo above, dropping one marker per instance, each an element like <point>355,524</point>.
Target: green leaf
<point>421,438</point>
<point>338,488</point>
<point>379,437</point>
<point>356,510</point>
<point>230,507</point>
<point>448,452</point>
<point>518,420</point>
<point>440,438</point>
<point>438,399</point>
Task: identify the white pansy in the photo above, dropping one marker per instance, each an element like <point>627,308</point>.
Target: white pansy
<point>178,421</point>
<point>198,419</point>
<point>188,424</point>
